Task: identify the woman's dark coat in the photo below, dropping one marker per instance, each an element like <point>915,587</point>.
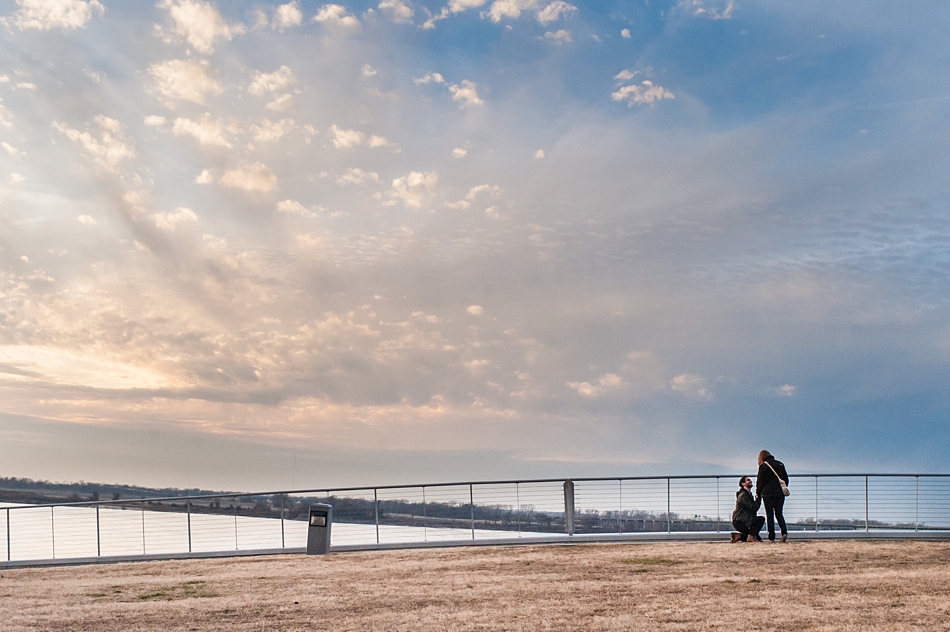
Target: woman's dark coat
<point>765,482</point>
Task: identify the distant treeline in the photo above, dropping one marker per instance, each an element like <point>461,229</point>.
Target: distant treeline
<point>27,490</point>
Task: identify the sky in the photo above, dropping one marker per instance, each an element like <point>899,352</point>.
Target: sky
<point>253,245</point>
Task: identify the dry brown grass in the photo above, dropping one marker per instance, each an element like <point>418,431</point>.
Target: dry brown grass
<point>798,586</point>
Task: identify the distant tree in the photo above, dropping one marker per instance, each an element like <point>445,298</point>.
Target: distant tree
<point>94,497</point>
<point>116,496</point>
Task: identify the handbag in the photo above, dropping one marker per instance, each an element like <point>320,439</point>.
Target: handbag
<point>781,483</point>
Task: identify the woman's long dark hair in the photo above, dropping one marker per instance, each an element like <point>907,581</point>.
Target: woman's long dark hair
<point>764,456</point>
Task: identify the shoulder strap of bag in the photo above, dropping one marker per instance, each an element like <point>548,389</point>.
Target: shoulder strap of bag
<point>776,473</point>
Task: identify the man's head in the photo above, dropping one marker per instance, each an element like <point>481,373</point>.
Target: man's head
<point>745,483</point>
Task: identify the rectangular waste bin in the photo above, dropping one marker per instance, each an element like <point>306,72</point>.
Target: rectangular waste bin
<point>318,529</point>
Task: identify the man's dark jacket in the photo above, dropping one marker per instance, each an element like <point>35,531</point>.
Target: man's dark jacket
<point>746,507</point>
<point>765,482</point>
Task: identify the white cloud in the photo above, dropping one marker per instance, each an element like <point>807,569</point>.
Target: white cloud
<point>645,93</point>
<point>467,93</point>
<point>554,12</point>
<point>492,212</point>
<point>491,190</point>
<point>207,130</point>
<point>109,149</point>
<point>346,138</point>
<point>459,152</point>
<point>185,79</point>
<point>25,85</point>
<point>335,15</point>
<point>205,177</point>
<point>711,9</point>
<point>15,178</point>
<point>509,9</point>
<point>475,310</point>
<point>268,131</point>
<point>48,14</point>
<point>398,11</point>
<point>286,16</point>
<point>415,187</point>
<point>154,121</point>
<point>350,138</point>
<point>560,37</point>
<point>625,33</point>
<point>691,386</point>
<point>11,150</point>
<point>539,154</point>
<point>357,176</point>
<point>368,71</point>
<point>606,383</point>
<point>430,77</point>
<point>199,23</point>
<point>457,6</point>
<point>786,391</point>
<point>281,104</point>
<point>86,219</point>
<point>174,219</point>
<point>626,75</point>
<point>266,82</point>
<point>293,207</point>
<point>253,177</point>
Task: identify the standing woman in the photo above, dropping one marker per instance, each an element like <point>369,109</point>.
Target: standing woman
<point>769,489</point>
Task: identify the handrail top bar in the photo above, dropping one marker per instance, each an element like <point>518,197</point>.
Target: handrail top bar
<point>330,490</point>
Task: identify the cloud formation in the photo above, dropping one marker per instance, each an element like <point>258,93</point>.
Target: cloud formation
<point>44,15</point>
<point>198,23</point>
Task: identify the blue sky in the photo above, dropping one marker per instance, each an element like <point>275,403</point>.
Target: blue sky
<point>395,241</point>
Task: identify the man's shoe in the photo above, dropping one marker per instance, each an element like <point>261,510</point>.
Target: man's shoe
<point>735,537</point>
<point>784,538</point>
<point>758,538</point>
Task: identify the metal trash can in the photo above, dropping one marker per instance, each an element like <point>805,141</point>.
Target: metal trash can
<point>318,529</point>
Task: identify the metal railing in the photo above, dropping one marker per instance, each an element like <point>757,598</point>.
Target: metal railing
<point>395,515</point>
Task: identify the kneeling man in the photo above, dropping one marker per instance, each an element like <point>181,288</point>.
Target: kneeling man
<point>745,519</point>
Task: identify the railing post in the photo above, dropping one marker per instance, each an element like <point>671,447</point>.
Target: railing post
<point>669,516</point>
<point>98,538</point>
<point>8,534</point>
<point>816,504</point>
<point>425,520</point>
<point>188,505</point>
<point>235,524</point>
<point>718,515</point>
<point>916,503</point>
<point>52,527</point>
<point>569,507</point>
<point>517,500</point>
<point>867,523</point>
<point>471,504</point>
<point>376,507</point>
<point>143,527</point>
<point>620,509</point>
<point>282,540</point>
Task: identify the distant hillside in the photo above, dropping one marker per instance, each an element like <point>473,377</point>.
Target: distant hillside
<point>26,490</point>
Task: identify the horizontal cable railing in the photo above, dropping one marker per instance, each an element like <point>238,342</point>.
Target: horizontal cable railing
<point>463,511</point>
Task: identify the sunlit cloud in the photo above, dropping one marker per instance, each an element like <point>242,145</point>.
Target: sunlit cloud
<point>55,14</point>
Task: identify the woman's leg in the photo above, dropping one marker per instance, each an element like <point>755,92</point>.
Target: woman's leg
<point>770,515</point>
<point>757,526</point>
<point>779,515</point>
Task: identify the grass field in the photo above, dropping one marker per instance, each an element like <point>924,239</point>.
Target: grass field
<point>684,586</point>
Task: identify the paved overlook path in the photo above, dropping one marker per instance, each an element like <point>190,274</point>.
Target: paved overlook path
<point>842,585</point>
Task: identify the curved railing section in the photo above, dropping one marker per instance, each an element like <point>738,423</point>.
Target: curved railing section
<point>434,514</point>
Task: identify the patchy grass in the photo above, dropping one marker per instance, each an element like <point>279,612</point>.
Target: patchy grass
<point>672,586</point>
